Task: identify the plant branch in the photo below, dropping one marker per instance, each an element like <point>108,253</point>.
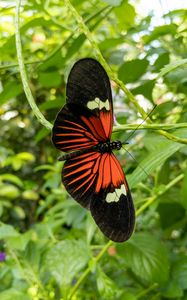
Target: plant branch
<point>119,128</point>
<point>23,74</point>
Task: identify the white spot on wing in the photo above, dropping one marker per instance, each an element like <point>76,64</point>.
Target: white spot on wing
<point>114,197</point>
<point>97,103</point>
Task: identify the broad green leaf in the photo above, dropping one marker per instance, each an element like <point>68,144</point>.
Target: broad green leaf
<point>18,212</point>
<point>160,31</point>
<point>10,91</point>
<point>75,45</point>
<point>7,231</point>
<point>147,257</point>
<point>50,79</point>
<point>172,290</point>
<point>30,195</point>
<point>170,213</point>
<point>113,2</point>
<point>20,242</point>
<point>172,66</point>
<point>162,149</point>
<point>184,191</point>
<point>125,14</point>
<point>106,287</point>
<point>145,88</point>
<point>9,191</point>
<point>66,259</point>
<point>177,80</point>
<point>132,70</point>
<point>57,103</point>
<point>179,272</point>
<point>53,61</point>
<point>110,43</point>
<point>161,61</point>
<point>11,178</point>
<point>42,134</point>
<point>25,156</point>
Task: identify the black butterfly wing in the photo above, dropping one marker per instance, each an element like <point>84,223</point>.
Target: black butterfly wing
<point>97,182</point>
<point>87,117</point>
<point>88,81</point>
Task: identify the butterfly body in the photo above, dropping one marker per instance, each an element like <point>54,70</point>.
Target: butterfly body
<point>91,174</point>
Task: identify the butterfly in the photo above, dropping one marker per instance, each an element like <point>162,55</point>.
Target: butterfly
<point>92,174</point>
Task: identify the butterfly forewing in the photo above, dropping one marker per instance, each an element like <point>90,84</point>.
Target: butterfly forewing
<point>93,177</point>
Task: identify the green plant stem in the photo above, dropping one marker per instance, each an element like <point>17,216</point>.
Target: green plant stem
<point>112,75</point>
<point>161,192</point>
<point>88,270</point>
<point>110,243</point>
<point>23,74</point>
<point>146,291</point>
<point>119,128</point>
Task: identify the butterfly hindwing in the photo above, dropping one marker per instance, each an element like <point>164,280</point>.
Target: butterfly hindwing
<point>79,175</point>
<point>97,182</point>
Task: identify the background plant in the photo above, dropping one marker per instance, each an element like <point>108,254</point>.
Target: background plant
<point>50,247</point>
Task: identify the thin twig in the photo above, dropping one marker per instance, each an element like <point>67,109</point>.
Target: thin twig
<point>23,74</point>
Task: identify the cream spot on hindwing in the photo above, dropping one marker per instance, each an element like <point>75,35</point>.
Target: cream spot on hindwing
<point>97,103</point>
<point>115,195</point>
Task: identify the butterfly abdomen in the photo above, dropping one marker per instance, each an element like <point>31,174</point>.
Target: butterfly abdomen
<point>109,146</point>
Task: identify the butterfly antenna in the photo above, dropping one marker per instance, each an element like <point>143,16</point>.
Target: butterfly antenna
<point>135,161</point>
<point>148,115</point>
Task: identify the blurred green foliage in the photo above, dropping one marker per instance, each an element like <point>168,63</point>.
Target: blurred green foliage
<point>48,239</point>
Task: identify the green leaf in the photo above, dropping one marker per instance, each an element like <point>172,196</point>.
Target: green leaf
<point>9,191</point>
<point>160,31</point>
<point>54,61</point>
<point>110,43</point>
<point>30,195</point>
<point>172,66</point>
<point>125,15</point>
<point>161,61</point>
<point>161,149</point>
<point>184,191</point>
<point>42,134</point>
<point>113,2</point>
<point>147,257</point>
<point>179,272</point>
<point>106,287</point>
<point>177,80</point>
<point>11,90</point>
<point>172,290</point>
<point>132,70</point>
<point>50,79</point>
<point>12,178</point>
<point>7,231</point>
<point>58,102</point>
<point>20,242</point>
<point>170,213</point>
<point>146,89</point>
<point>66,259</point>
<point>26,156</point>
